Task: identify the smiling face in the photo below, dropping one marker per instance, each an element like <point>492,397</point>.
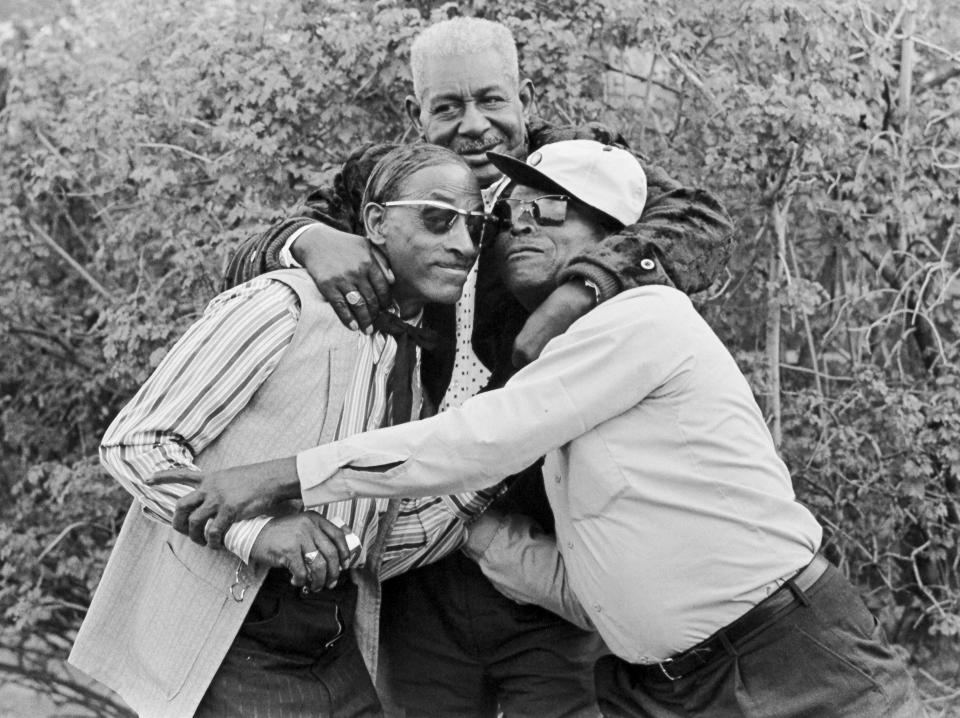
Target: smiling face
<point>531,256</point>
<point>429,267</point>
<point>471,105</point>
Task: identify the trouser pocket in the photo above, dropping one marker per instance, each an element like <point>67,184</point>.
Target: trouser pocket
<point>285,620</point>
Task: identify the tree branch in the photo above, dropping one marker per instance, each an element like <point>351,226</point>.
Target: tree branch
<point>940,79</point>
<point>613,68</point>
<point>69,260</point>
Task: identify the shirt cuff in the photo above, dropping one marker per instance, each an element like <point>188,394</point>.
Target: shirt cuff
<point>325,471</point>
<point>286,255</point>
<point>241,536</point>
<point>606,283</point>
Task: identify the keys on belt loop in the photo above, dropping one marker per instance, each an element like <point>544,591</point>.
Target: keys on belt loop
<point>239,585</point>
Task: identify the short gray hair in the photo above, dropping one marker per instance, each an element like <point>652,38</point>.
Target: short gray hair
<point>463,36</point>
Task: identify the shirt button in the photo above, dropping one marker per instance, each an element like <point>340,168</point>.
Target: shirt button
<point>597,608</point>
<point>570,544</point>
<point>557,478</point>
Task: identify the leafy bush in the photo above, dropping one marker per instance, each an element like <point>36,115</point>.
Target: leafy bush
<point>142,140</point>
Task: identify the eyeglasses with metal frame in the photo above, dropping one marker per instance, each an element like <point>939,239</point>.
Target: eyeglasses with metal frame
<point>549,210</point>
<point>439,217</point>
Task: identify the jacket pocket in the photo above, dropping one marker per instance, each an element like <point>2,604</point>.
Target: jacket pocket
<point>172,621</point>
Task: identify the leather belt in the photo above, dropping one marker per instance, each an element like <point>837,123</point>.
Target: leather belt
<point>791,592</point>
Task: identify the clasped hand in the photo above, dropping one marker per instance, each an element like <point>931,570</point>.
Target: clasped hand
<point>312,548</point>
<point>220,498</point>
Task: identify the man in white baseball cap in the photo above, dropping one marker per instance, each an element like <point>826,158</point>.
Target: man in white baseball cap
<point>580,191</point>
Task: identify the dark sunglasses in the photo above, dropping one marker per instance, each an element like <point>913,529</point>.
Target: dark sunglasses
<point>548,211</point>
<point>439,217</point>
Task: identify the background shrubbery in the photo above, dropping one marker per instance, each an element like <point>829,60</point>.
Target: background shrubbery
<point>141,139</point>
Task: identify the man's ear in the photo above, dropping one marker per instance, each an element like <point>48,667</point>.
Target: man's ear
<point>528,98</point>
<point>412,106</point>
<point>373,215</point>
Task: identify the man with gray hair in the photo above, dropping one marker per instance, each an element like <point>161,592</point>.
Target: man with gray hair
<point>493,45</point>
<point>456,646</point>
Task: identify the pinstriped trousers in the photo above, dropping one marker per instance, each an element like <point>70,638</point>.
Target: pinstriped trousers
<point>295,656</point>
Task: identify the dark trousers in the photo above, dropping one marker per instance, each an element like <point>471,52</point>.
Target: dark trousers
<point>827,658</point>
<point>295,656</point>
<point>456,647</point>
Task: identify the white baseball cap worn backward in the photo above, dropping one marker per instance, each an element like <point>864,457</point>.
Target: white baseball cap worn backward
<point>601,176</point>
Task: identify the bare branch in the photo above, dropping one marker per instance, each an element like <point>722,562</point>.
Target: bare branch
<point>691,77</point>
<point>175,148</point>
<point>38,230</point>
<point>613,68</point>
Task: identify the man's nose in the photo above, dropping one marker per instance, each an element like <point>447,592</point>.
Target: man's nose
<point>460,242</point>
<point>521,225</point>
<point>473,123</point>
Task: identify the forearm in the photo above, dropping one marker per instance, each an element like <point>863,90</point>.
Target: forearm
<point>598,369</point>
<point>135,460</point>
<point>261,253</point>
<point>683,239</point>
<point>427,529</point>
<point>525,565</point>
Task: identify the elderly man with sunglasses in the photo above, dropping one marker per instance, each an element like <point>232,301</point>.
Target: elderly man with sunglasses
<point>678,534</point>
<point>456,645</point>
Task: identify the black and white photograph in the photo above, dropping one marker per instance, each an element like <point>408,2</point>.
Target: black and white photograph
<point>480,359</point>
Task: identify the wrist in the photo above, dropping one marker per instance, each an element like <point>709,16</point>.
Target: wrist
<point>579,296</point>
<point>309,237</point>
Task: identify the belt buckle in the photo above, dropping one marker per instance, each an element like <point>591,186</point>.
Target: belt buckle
<point>663,669</point>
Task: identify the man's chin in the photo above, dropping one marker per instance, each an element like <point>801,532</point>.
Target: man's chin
<point>484,171</point>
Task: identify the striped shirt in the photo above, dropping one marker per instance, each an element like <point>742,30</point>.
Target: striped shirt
<point>208,377</point>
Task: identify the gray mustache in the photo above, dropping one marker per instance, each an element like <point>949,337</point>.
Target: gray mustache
<point>480,145</point>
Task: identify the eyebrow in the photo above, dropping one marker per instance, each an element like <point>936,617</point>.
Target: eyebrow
<point>449,198</point>
<point>487,89</point>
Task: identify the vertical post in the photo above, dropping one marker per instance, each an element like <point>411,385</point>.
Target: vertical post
<point>778,246</point>
<point>903,111</point>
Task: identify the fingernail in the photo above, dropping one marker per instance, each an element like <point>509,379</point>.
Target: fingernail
<point>354,326</point>
<point>334,584</point>
<point>368,330</point>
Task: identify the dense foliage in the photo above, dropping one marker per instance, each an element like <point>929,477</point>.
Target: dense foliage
<point>140,140</point>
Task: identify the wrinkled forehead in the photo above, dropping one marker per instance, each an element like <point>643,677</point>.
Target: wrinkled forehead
<point>469,74</point>
<point>449,182</point>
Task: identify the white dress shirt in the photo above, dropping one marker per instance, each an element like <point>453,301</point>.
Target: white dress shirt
<point>674,514</point>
